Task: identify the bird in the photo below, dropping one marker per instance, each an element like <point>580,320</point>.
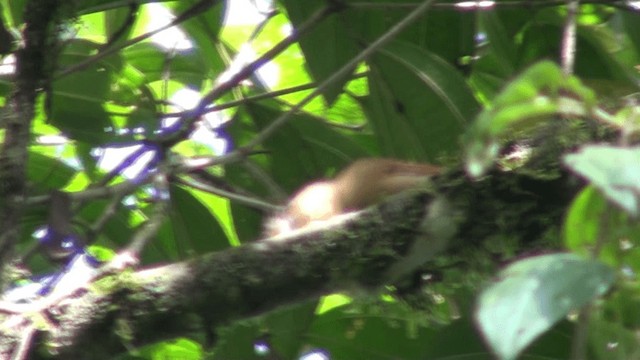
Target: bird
<point>360,185</point>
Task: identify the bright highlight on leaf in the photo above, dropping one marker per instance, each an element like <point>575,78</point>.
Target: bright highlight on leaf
<point>614,171</point>
<point>531,295</point>
<point>583,222</point>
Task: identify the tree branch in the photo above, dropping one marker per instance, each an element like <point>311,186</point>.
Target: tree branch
<point>369,249</point>
<point>33,69</point>
<point>217,288</point>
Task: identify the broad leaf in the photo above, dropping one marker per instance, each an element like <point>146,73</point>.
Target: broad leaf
<point>617,180</point>
<point>531,295</point>
<point>419,104</point>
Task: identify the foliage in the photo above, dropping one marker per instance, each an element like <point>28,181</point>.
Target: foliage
<point>455,87</point>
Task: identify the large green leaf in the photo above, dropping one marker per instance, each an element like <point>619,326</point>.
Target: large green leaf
<point>326,47</point>
<point>419,104</point>
<point>531,295</point>
<point>12,11</point>
<point>612,341</point>
<point>499,42</point>
<point>597,48</point>
<point>117,22</point>
<point>78,98</point>
<point>303,146</point>
<point>117,232</point>
<point>632,30</point>
<point>203,30</point>
<point>446,34</point>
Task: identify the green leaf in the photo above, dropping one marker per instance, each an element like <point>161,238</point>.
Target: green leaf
<point>591,223</point>
<point>48,173</point>
<point>303,146</point>
<point>207,56</point>
<point>582,224</point>
<point>524,104</point>
<point>114,20</point>
<point>78,98</point>
<point>12,11</point>
<point>282,333</point>
<point>117,231</point>
<point>533,294</point>
<point>599,56</point>
<point>446,34</point>
<point>180,348</point>
<point>418,104</point>
<point>498,39</point>
<point>612,341</point>
<point>194,225</point>
<point>345,333</point>
<point>327,46</point>
<point>632,27</point>
<point>617,180</point>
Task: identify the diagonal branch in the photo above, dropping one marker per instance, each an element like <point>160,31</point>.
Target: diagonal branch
<point>232,284</point>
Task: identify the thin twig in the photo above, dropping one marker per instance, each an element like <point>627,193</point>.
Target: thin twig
<point>251,68</point>
<point>486,5</point>
<point>343,71</point>
<point>241,152</point>
<point>266,95</point>
<point>241,199</point>
<point>109,212</point>
<point>265,179</point>
<point>568,47</point>
<point>126,24</point>
<point>193,11</point>
<point>258,29</point>
<point>150,228</point>
<point>97,192</point>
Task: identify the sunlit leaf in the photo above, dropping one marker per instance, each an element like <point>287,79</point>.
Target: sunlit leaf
<point>617,180</point>
<point>584,220</point>
<point>326,47</point>
<point>181,348</point>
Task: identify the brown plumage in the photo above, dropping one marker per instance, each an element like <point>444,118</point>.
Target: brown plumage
<point>362,184</point>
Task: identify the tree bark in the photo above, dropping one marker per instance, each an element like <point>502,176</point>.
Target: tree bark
<point>365,250</point>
